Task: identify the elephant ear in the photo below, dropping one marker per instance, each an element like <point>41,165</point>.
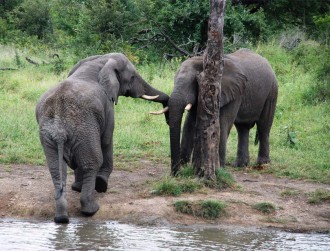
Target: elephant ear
<point>233,84</point>
<point>109,79</point>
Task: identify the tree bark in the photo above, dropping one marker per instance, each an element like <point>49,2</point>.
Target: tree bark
<point>207,135</point>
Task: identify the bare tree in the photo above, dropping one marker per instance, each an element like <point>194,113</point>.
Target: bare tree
<point>207,136</point>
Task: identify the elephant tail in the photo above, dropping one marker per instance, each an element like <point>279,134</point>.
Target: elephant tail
<point>256,139</point>
<point>61,166</point>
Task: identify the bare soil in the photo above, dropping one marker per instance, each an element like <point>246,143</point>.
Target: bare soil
<point>26,192</point>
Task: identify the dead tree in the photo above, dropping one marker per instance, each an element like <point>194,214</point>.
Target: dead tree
<point>207,135</point>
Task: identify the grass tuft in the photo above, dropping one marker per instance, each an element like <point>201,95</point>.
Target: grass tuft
<point>167,186</point>
<point>224,179</point>
<point>319,196</point>
<point>289,192</point>
<point>207,209</point>
<point>265,207</point>
<point>186,172</point>
<point>176,186</point>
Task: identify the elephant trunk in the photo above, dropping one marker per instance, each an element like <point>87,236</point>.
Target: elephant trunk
<point>158,96</point>
<point>176,109</point>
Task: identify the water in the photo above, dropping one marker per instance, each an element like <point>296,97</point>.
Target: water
<point>86,235</point>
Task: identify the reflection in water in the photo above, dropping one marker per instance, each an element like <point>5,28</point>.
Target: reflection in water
<point>85,235</point>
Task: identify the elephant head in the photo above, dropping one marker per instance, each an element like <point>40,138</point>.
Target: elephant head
<point>185,97</point>
<point>118,76</point>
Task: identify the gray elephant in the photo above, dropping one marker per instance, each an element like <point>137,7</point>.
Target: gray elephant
<point>76,123</point>
<point>248,97</point>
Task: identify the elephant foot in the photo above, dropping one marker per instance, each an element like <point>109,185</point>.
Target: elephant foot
<point>63,219</point>
<point>101,184</point>
<point>263,160</point>
<point>239,163</point>
<point>76,186</point>
<point>90,209</point>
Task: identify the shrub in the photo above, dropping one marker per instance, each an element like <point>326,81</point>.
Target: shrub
<point>265,207</point>
<point>223,180</point>
<point>168,186</point>
<point>319,196</point>
<point>208,209</point>
<point>176,186</point>
<point>314,59</point>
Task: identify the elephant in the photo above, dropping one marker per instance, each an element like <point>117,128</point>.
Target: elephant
<point>76,123</point>
<point>248,97</point>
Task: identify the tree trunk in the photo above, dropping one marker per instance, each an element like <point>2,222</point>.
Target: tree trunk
<point>207,135</point>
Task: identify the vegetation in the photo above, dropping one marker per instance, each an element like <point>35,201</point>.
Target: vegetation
<point>56,34</point>
<point>176,186</point>
<point>265,207</point>
<point>186,182</point>
<point>319,196</point>
<point>289,192</point>
<point>207,209</point>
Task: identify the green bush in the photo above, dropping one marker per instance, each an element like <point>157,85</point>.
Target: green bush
<point>319,196</point>
<point>167,186</point>
<point>207,209</point>
<point>314,58</point>
<point>176,186</point>
<point>265,207</point>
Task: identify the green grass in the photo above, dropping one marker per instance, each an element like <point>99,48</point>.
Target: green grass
<point>319,196</point>
<point>300,137</point>
<point>289,192</point>
<point>265,207</point>
<point>207,209</point>
<point>176,186</point>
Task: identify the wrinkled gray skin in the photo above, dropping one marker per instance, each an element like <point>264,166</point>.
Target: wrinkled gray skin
<point>76,122</point>
<point>248,97</point>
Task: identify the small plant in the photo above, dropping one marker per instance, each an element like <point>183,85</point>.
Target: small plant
<point>291,136</point>
<point>175,186</point>
<point>208,209</point>
<point>18,59</point>
<point>184,206</point>
<point>189,185</point>
<point>186,172</point>
<point>59,66</point>
<point>223,180</point>
<point>289,192</point>
<point>211,209</point>
<point>319,196</point>
<point>265,207</point>
<point>167,186</point>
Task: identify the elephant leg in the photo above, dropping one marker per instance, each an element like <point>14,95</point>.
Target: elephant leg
<point>88,203</point>
<point>61,213</point>
<point>243,157</point>
<point>89,158</point>
<point>263,128</point>
<point>78,180</point>
<point>187,141</point>
<point>228,115</point>
<point>101,184</point>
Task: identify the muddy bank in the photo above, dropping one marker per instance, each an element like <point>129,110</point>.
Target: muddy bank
<point>27,192</point>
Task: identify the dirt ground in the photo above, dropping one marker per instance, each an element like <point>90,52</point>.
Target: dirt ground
<point>26,192</point>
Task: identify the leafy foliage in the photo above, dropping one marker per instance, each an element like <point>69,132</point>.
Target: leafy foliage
<point>97,26</point>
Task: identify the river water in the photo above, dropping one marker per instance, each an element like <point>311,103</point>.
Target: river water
<point>87,235</point>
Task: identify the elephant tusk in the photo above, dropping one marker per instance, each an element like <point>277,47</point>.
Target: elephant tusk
<point>188,107</point>
<point>147,97</point>
<point>160,112</point>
